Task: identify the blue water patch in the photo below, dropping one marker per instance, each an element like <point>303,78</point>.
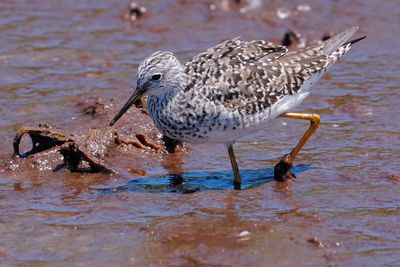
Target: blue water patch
<point>191,182</point>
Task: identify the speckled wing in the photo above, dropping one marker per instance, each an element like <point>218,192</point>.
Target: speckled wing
<point>252,76</point>
<point>238,74</point>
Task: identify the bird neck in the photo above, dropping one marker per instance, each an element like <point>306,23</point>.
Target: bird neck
<point>176,84</point>
<point>171,92</point>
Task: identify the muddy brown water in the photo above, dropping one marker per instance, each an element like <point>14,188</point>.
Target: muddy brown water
<point>342,210</point>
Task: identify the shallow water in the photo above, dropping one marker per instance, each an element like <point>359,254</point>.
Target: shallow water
<point>343,209</point>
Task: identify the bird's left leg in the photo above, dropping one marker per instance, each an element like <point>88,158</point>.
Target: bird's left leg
<point>237,180</point>
<point>282,169</point>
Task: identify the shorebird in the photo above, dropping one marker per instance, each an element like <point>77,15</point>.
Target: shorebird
<point>233,89</point>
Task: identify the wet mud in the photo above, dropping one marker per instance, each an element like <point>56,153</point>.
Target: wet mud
<point>91,150</point>
<point>75,191</point>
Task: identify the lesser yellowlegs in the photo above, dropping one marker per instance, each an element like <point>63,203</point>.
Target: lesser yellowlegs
<point>233,89</point>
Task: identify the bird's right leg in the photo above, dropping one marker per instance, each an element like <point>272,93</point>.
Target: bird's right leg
<point>237,181</point>
<point>282,169</point>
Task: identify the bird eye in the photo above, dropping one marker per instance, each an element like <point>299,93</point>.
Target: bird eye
<point>156,77</point>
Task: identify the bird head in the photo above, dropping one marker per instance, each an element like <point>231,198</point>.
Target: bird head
<point>159,74</point>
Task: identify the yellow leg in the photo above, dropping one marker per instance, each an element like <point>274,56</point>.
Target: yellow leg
<point>314,123</point>
<point>237,179</point>
<point>283,167</point>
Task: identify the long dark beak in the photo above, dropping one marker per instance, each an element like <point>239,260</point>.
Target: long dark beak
<point>135,96</point>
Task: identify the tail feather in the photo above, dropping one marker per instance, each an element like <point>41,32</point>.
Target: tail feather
<point>335,55</point>
<point>326,48</point>
<point>312,62</point>
<point>333,43</point>
<point>355,40</point>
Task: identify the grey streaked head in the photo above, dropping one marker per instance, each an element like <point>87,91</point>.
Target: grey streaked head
<point>159,72</point>
<point>157,75</point>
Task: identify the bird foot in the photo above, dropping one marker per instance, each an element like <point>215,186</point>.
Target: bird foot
<point>282,169</point>
<point>237,185</point>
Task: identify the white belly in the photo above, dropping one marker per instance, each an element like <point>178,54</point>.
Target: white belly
<point>258,121</point>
